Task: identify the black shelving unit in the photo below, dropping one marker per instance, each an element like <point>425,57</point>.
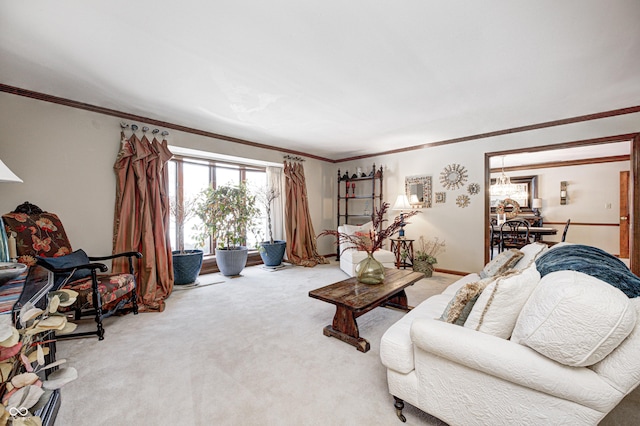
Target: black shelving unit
<point>352,195</point>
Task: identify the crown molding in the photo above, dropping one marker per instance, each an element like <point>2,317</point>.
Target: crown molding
<point>121,114</point>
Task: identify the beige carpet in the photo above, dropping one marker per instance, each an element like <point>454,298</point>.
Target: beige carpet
<point>244,351</point>
<point>248,351</point>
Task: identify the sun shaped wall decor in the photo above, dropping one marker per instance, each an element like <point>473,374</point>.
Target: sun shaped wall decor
<point>453,176</point>
<point>463,200</point>
<point>473,188</point>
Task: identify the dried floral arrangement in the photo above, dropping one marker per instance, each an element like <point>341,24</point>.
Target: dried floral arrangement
<point>374,240</point>
<point>182,213</point>
<point>266,195</point>
<point>429,250</point>
<point>22,357</point>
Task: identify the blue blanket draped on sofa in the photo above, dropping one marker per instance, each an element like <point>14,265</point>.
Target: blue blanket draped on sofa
<point>591,261</point>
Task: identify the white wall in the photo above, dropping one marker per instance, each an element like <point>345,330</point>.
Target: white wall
<point>593,197</point>
<point>463,228</point>
<point>65,157</point>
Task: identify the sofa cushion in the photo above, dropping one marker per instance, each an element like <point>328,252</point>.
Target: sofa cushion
<point>592,261</point>
<point>396,347</point>
<point>499,305</point>
<point>501,263</point>
<point>574,319</point>
<point>530,254</point>
<point>453,288</point>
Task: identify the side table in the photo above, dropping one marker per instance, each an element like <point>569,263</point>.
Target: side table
<point>400,245</point>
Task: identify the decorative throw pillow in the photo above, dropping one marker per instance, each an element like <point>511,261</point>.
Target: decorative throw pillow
<point>77,258</point>
<point>574,319</point>
<point>591,261</point>
<point>352,230</point>
<point>499,305</point>
<point>462,302</point>
<point>501,263</point>
<point>530,254</point>
<point>365,237</point>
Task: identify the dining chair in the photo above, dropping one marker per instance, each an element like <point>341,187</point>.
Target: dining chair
<point>564,235</point>
<point>514,234</point>
<point>494,239</point>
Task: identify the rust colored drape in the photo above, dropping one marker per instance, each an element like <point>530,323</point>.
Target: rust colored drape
<point>301,239</point>
<point>141,217</point>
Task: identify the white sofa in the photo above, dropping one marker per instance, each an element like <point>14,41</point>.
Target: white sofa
<point>350,258</point>
<point>562,349</point>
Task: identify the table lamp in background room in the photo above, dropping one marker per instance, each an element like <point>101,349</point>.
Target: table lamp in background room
<point>6,175</point>
<point>536,205</point>
<point>402,203</point>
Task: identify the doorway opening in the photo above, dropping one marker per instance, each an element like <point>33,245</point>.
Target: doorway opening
<point>583,152</point>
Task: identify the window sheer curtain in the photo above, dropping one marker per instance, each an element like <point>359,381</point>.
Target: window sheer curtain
<point>141,217</point>
<point>301,239</point>
<point>275,180</point>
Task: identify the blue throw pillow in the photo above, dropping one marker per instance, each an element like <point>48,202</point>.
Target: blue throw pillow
<point>77,258</point>
<point>591,261</point>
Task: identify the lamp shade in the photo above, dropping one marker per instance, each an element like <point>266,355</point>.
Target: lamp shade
<point>6,175</point>
<point>536,203</point>
<point>402,203</point>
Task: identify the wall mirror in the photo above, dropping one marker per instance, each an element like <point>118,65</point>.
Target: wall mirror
<point>526,189</point>
<point>418,190</point>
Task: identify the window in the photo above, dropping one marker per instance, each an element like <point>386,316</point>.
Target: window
<point>188,176</point>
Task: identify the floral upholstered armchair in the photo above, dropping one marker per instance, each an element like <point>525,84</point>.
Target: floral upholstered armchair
<point>41,239</point>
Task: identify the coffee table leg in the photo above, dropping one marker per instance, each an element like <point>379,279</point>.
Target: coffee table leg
<point>398,301</point>
<point>345,328</point>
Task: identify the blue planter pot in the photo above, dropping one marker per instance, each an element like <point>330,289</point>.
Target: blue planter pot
<point>231,261</point>
<point>272,254</point>
<point>186,266</point>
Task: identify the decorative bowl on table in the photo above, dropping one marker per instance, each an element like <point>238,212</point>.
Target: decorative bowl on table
<point>10,270</point>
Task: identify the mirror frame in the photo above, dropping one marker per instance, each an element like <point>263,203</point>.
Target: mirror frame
<point>426,183</point>
<point>532,191</point>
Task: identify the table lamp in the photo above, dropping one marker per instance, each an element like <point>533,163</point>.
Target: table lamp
<point>6,175</point>
<point>536,205</point>
<point>402,203</point>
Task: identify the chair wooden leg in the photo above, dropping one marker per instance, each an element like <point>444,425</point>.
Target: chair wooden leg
<point>399,405</point>
<point>97,302</point>
<point>134,302</point>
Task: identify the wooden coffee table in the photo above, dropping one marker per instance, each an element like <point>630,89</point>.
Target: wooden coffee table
<point>353,299</point>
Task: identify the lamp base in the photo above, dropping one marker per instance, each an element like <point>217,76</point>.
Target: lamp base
<point>4,244</point>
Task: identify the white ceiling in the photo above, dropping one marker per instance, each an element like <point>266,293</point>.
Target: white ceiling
<point>330,78</point>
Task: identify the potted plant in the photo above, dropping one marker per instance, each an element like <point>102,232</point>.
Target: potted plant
<point>271,251</point>
<point>425,256</point>
<point>227,214</point>
<point>186,263</point>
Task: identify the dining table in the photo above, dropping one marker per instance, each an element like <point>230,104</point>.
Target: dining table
<point>537,231</point>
